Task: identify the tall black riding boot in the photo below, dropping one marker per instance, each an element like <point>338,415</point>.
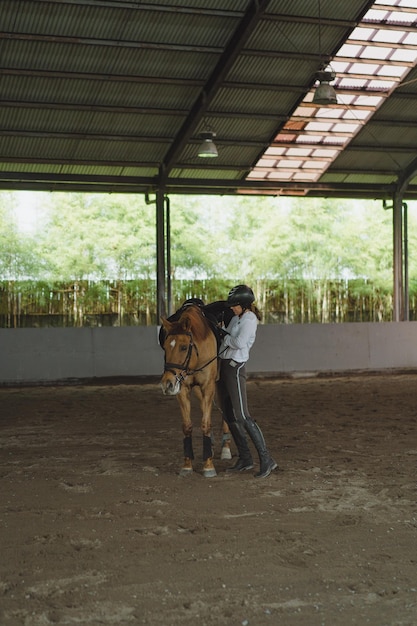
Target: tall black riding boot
<point>244,461</point>
<point>267,463</point>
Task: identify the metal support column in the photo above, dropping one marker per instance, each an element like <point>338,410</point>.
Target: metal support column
<point>401,290</point>
<point>397,222</point>
<point>168,253</point>
<point>161,309</point>
<point>400,221</point>
<point>405,262</point>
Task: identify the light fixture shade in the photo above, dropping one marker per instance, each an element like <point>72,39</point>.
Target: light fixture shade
<point>208,148</point>
<point>325,93</point>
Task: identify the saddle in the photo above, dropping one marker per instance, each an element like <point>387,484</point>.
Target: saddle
<point>216,313</point>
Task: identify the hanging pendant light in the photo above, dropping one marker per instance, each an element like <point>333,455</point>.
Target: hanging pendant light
<point>325,93</point>
<point>208,147</point>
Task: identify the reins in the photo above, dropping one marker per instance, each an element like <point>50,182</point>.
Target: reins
<point>208,362</point>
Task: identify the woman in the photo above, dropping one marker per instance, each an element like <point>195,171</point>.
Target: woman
<point>239,337</point>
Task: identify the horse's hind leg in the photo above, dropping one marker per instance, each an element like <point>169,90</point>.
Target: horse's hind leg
<point>187,429</point>
<point>226,453</point>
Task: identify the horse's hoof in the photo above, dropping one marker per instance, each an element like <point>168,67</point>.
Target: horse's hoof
<point>186,471</point>
<point>210,473</point>
<point>226,455</point>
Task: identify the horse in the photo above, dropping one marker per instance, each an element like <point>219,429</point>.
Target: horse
<point>190,347</point>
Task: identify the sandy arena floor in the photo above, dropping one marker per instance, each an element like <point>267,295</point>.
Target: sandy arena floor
<point>98,528</point>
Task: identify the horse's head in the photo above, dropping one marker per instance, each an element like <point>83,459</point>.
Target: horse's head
<point>181,353</point>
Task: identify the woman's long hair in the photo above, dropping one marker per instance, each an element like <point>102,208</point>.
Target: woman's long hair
<point>255,310</point>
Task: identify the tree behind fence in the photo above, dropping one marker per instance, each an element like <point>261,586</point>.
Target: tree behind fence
<point>133,302</point>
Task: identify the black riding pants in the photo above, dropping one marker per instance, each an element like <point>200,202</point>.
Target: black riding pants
<point>231,391</point>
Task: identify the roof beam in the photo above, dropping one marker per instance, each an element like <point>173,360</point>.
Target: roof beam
<point>143,6</point>
<point>118,78</point>
<point>254,13</point>
<point>152,80</point>
<point>103,108</point>
<point>120,43</point>
<point>116,43</point>
<point>83,135</point>
<point>379,147</point>
<point>176,183</point>
<point>134,185</point>
<point>94,108</point>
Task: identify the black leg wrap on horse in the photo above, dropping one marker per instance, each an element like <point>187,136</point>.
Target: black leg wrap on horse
<point>188,448</point>
<point>244,461</point>
<point>207,448</point>
<point>267,463</point>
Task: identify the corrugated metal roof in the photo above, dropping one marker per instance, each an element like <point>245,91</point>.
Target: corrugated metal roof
<point>120,92</point>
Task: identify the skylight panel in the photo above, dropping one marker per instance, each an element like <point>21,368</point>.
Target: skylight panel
<point>327,153</point>
<point>408,56</point>
<point>359,114</point>
<point>290,163</point>
<point>373,52</point>
<point>340,67</point>
<point>382,84</point>
<point>411,39</point>
<point>383,35</point>
<point>337,139</point>
<point>274,151</point>
<point>304,111</point>
<point>376,15</point>
<point>349,50</point>
<point>352,83</point>
<point>318,126</point>
<point>403,18</point>
<point>329,113</point>
<point>411,4</point>
<point>392,70</point>
<point>364,68</point>
<point>280,175</point>
<point>348,99</point>
<point>368,66</point>
<point>346,128</point>
<point>309,138</point>
<point>299,152</point>
<point>314,165</point>
<point>364,34</point>
<point>306,176</point>
<point>265,162</point>
<point>368,101</point>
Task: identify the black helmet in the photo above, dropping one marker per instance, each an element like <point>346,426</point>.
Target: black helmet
<point>241,294</point>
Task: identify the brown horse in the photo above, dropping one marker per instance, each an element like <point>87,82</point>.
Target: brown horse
<point>190,348</point>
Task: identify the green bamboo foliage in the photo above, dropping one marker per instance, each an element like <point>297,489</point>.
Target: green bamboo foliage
<point>90,260</point>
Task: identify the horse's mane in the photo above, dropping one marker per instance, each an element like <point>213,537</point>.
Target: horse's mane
<point>194,318</point>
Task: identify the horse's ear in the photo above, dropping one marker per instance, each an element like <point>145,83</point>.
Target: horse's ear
<point>166,324</point>
<point>186,323</point>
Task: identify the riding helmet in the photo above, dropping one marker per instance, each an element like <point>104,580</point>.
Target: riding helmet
<point>241,294</point>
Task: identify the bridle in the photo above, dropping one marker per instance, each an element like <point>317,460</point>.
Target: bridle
<point>184,367</point>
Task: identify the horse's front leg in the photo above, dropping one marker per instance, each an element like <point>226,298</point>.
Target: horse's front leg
<point>187,429</point>
<point>207,397</point>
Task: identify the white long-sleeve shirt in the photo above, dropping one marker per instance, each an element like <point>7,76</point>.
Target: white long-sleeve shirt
<point>241,337</point>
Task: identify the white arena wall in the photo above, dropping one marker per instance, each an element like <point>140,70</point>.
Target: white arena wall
<point>75,354</point>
